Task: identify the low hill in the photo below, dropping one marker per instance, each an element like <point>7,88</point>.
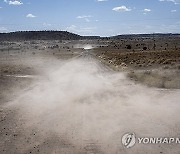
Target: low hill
<point>64,35</point>
<point>38,35</point>
<point>156,35</point>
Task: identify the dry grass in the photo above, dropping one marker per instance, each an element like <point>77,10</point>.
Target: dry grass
<point>142,59</point>
<point>159,79</point>
<point>165,59</point>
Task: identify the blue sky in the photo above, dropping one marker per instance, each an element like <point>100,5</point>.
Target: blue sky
<point>91,17</point>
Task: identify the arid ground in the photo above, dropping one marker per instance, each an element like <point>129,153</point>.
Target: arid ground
<point>78,97</point>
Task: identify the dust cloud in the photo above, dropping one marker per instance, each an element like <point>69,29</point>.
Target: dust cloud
<point>85,46</point>
<point>91,107</point>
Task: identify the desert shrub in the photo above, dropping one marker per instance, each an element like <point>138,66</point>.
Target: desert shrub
<point>132,75</point>
<point>178,67</point>
<point>147,72</point>
<point>172,84</point>
<point>128,47</point>
<point>144,48</point>
<point>6,71</point>
<point>166,67</point>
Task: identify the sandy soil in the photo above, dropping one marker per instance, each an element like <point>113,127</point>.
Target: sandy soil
<point>70,102</point>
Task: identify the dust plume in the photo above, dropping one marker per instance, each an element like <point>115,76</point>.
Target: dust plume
<point>90,107</point>
<point>84,46</point>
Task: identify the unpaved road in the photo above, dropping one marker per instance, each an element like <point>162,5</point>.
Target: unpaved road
<point>84,107</point>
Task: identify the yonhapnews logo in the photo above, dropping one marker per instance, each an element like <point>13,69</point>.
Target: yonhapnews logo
<point>130,139</point>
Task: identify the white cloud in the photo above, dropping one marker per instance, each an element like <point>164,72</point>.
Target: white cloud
<point>102,0</point>
<point>3,30</point>
<point>147,10</point>
<point>87,20</point>
<point>81,30</point>
<point>174,1</point>
<point>143,28</point>
<point>121,8</point>
<point>15,2</point>
<point>173,11</point>
<point>173,28</point>
<point>85,17</point>
<point>0,7</point>
<point>46,24</point>
<point>30,15</point>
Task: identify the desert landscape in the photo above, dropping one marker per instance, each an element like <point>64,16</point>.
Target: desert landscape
<point>81,94</point>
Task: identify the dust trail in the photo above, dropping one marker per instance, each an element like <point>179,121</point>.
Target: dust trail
<point>85,46</point>
<point>91,107</point>
<point>21,76</point>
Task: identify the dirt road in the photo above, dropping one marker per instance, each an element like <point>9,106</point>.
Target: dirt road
<point>84,107</point>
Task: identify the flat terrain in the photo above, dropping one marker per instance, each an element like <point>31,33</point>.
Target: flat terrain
<point>152,61</point>
<point>57,97</point>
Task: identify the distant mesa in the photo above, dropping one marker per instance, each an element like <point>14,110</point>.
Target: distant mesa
<point>64,35</point>
<point>38,35</point>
